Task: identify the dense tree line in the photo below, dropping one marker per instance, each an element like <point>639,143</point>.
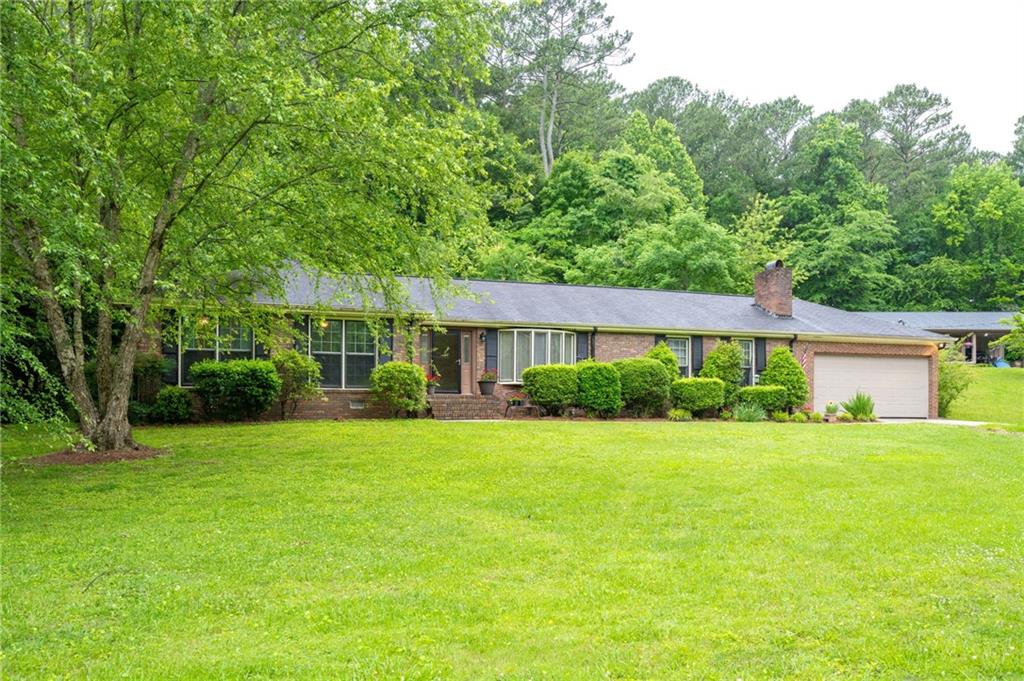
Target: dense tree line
<point>884,204</point>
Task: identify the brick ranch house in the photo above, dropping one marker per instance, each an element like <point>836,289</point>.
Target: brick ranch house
<point>506,327</point>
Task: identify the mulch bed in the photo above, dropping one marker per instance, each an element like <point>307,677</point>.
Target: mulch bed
<point>83,457</point>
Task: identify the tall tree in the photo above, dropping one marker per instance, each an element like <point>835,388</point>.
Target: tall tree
<point>1016,156</point>
<point>167,154</point>
<point>553,55</point>
<point>923,146</point>
<point>980,222</point>
<point>845,237</point>
<point>661,144</point>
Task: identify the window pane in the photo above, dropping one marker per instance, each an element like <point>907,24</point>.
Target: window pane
<point>748,352</point>
<point>199,334</point>
<point>234,337</point>
<point>556,348</point>
<point>190,357</point>
<point>358,337</point>
<point>326,336</point>
<point>506,351</point>
<point>540,347</point>
<point>330,370</point>
<point>570,348</point>
<point>523,358</point>
<point>357,370</point>
<point>680,347</point>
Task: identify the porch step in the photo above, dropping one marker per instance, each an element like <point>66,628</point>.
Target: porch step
<point>452,407</point>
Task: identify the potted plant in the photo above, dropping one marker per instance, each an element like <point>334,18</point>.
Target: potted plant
<point>831,411</point>
<point>486,382</point>
<point>516,399</point>
<point>432,382</point>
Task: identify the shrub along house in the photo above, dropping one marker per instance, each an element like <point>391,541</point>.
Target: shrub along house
<point>506,327</point>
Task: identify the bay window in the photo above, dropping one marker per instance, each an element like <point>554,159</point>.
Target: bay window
<point>680,347</point>
<point>747,348</point>
<point>519,349</point>
<point>205,338</point>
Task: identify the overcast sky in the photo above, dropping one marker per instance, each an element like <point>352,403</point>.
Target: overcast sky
<point>827,53</point>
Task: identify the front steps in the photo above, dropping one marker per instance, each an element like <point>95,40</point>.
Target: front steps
<point>465,407</point>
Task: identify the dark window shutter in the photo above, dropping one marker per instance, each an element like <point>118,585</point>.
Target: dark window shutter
<point>660,338</point>
<point>491,350</point>
<point>386,345</point>
<point>582,346</point>
<point>301,327</point>
<point>759,355</point>
<point>697,353</point>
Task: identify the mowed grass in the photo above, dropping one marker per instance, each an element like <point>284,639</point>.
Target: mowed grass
<point>522,550</point>
<point>996,395</point>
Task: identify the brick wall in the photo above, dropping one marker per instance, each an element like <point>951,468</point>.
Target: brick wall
<point>806,350</point>
<point>612,346</point>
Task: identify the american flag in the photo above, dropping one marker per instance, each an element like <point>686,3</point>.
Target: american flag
<point>803,360</point>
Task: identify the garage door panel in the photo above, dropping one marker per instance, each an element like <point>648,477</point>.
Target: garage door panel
<point>898,385</point>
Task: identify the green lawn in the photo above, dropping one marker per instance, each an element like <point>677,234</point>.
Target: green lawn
<point>997,395</point>
<point>522,550</point>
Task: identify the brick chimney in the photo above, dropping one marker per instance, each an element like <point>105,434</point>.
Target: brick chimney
<point>773,289</point>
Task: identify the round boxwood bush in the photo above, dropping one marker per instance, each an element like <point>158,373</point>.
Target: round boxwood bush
<point>725,363</point>
<point>402,386</point>
<point>783,369</point>
<point>664,354</point>
<point>238,389</point>
<point>552,386</point>
<point>645,385</point>
<point>697,394</point>
<point>771,398</point>
<point>600,391</point>
<point>173,405</point>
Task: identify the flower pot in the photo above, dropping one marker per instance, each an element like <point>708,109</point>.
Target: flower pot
<point>431,389</point>
<point>486,387</point>
<point>831,418</point>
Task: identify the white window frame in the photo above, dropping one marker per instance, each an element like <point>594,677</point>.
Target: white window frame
<point>181,349</point>
<point>568,349</point>
<point>753,359</point>
<point>344,344</point>
<point>689,353</point>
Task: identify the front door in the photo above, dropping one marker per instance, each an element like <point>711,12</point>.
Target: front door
<point>445,358</point>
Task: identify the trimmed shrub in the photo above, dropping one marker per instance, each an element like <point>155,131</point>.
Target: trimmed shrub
<point>173,405</point>
<point>238,389</point>
<point>300,379</point>
<point>725,363</point>
<point>783,369</point>
<point>679,415</point>
<point>861,407</point>
<point>402,386</point>
<point>748,411</point>
<point>600,391</point>
<point>552,386</point>
<point>780,416</point>
<point>771,398</point>
<point>138,413</point>
<point>799,417</point>
<point>955,375</point>
<point>698,394</point>
<point>645,385</point>
<point>664,354</point>
<point>816,417</point>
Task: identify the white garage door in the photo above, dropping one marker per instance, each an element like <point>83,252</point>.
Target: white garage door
<point>899,385</point>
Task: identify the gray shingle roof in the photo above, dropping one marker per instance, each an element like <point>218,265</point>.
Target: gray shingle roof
<point>584,307</point>
<point>947,321</point>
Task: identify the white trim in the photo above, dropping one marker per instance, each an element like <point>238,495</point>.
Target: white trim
<point>689,352</point>
<point>753,357</point>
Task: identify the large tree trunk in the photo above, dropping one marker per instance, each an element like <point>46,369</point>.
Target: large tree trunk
<point>113,430</point>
